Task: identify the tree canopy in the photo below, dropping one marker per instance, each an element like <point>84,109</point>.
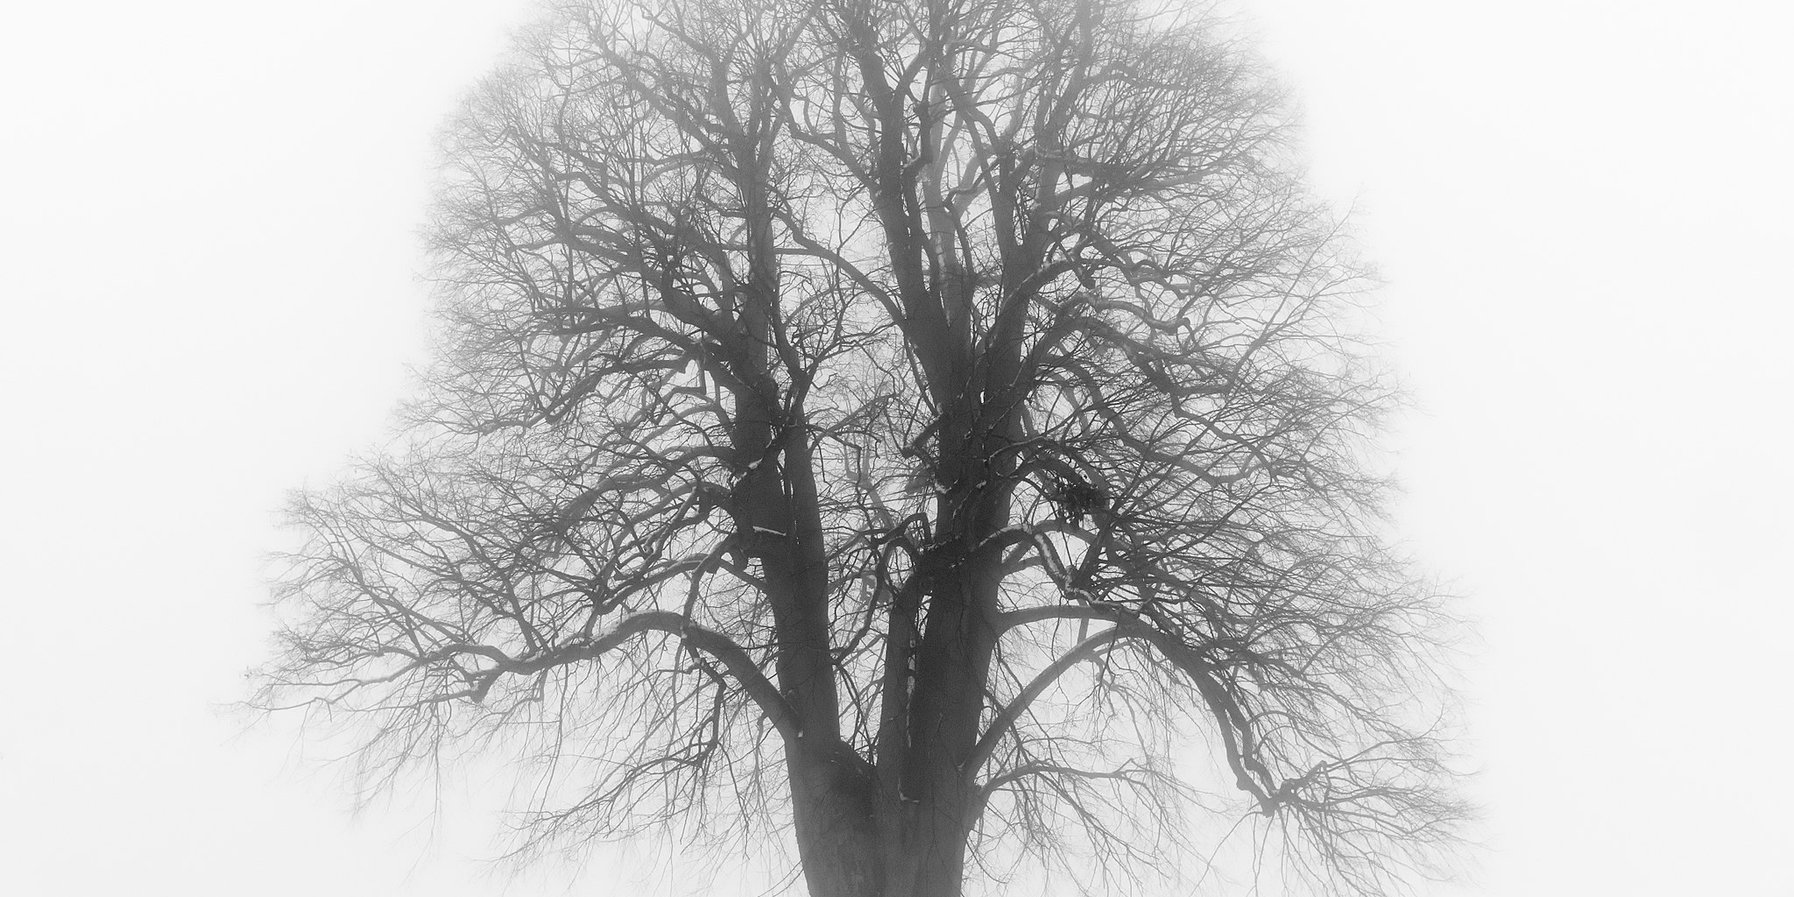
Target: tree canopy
<point>910,430</point>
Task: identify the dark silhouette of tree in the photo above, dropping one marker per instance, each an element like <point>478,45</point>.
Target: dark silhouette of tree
<point>903,420</point>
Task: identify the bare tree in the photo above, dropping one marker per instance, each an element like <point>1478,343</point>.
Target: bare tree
<point>911,420</point>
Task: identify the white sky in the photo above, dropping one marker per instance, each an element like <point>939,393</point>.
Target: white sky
<point>208,293</point>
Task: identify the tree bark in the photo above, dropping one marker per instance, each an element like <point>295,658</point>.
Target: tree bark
<point>835,820</point>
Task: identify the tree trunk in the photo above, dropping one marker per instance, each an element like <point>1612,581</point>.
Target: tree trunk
<point>842,851</point>
<point>833,810</point>
<point>856,839</point>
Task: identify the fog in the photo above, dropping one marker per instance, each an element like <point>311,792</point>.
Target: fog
<point>1580,210</point>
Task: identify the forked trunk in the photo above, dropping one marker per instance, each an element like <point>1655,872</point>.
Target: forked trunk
<point>843,856</point>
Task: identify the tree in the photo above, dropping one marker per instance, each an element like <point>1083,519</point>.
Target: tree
<point>911,419</point>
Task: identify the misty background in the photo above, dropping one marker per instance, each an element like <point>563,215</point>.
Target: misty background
<point>210,290</point>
